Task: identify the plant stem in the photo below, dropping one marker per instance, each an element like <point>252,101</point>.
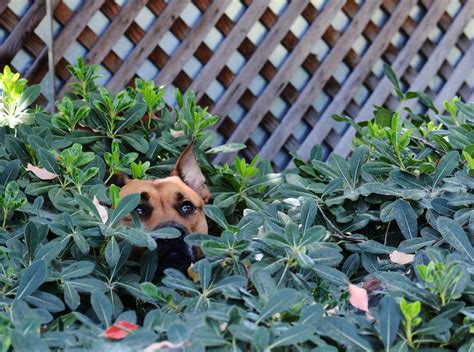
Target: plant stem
<point>409,334</point>
<point>5,216</point>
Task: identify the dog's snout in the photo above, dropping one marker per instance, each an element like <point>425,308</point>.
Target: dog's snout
<point>174,253</point>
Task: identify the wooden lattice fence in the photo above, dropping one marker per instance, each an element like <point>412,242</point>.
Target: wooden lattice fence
<point>274,70</point>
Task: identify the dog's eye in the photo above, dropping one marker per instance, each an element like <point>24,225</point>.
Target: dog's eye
<point>140,210</point>
<point>186,208</point>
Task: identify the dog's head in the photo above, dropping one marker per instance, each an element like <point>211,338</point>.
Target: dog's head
<point>176,201</point>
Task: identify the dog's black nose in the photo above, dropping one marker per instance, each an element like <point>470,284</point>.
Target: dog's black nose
<point>174,253</point>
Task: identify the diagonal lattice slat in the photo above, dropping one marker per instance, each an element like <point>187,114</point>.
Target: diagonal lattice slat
<point>275,71</point>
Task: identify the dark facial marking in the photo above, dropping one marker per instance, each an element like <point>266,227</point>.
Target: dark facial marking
<point>144,209</point>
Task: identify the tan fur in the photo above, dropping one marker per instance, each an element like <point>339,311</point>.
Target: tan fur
<point>162,193</point>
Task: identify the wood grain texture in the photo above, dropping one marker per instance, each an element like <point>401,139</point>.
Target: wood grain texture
<point>189,45</point>
<point>283,76</point>
<point>147,44</point>
<point>384,87</point>
<point>424,41</point>
<point>317,81</point>
<point>325,123</point>
<point>228,47</point>
<point>250,70</point>
<point>109,38</point>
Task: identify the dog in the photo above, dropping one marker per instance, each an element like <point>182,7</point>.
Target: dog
<point>176,201</point>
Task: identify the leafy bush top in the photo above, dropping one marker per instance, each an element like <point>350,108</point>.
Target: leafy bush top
<point>370,253</point>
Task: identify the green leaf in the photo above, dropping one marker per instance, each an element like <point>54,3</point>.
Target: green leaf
<point>102,307</point>
<point>263,282</point>
<point>30,94</point>
<point>86,204</point>
<point>383,117</point>
<point>112,252</point>
<point>281,300</point>
<point>205,273</point>
<point>32,278</point>
<point>308,214</point>
<point>136,141</point>
<point>137,238</point>
<point>178,333</point>
<point>446,166</point>
<point>148,265</point>
<point>453,233</point>
<point>17,149</point>
<point>261,339</point>
<point>81,242</point>
<point>77,269</point>
<point>339,164</point>
<point>293,335</point>
<point>126,205</point>
<point>389,320</point>
<point>406,219</point>
<point>343,332</point>
<point>332,275</point>
<point>28,342</point>
<point>165,233</point>
<point>48,161</point>
<point>358,159</point>
<point>10,172</point>
<point>227,148</point>
<point>131,116</point>
<point>46,301</point>
<point>216,215</point>
<point>351,265</point>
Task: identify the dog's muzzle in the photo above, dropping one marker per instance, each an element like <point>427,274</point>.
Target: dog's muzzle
<point>174,253</point>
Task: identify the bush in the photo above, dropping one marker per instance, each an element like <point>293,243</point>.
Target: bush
<point>370,253</point>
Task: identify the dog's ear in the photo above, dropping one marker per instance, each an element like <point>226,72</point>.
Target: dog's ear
<point>187,168</point>
<point>119,179</point>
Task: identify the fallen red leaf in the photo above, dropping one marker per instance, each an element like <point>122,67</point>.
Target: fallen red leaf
<point>120,330</point>
<point>359,297</point>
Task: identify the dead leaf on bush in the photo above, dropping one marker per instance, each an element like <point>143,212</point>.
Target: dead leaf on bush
<point>41,173</point>
<point>177,134</point>
<point>401,258</point>
<point>162,345</point>
<point>104,216</point>
<point>359,297</point>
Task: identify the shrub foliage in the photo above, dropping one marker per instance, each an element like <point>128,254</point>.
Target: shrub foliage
<point>369,253</point>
